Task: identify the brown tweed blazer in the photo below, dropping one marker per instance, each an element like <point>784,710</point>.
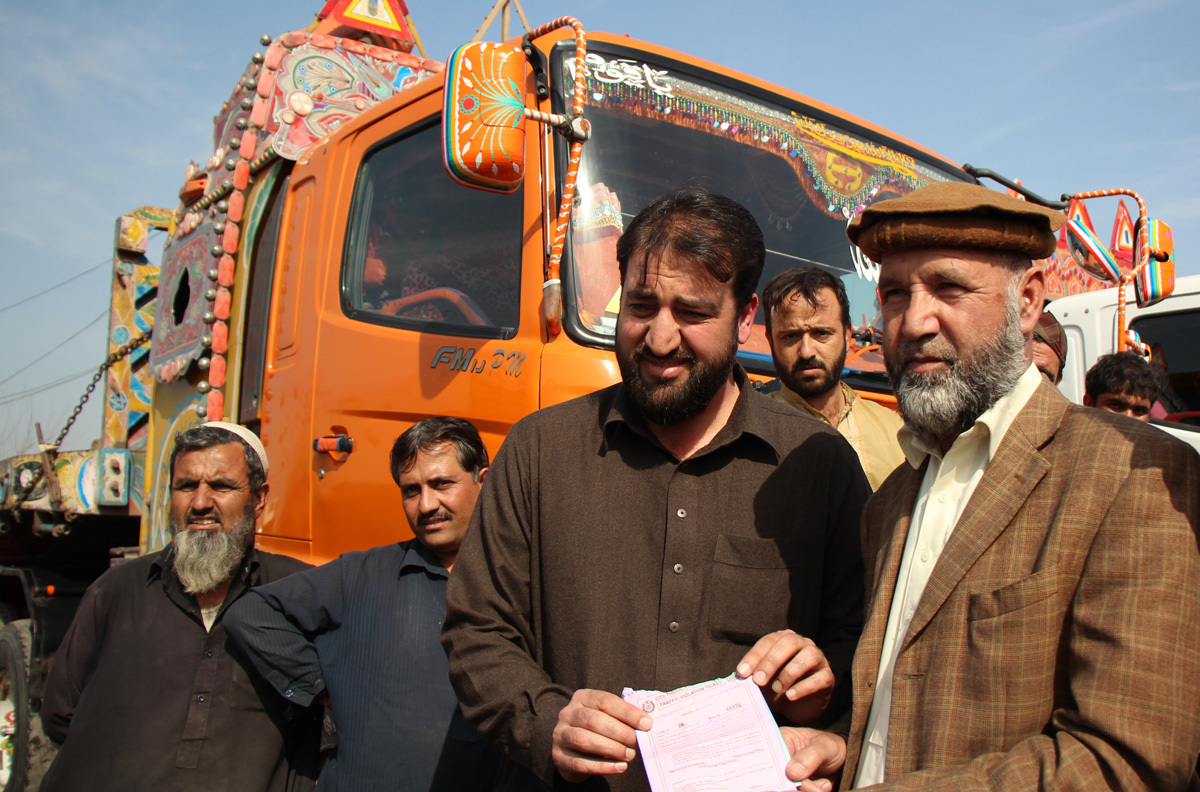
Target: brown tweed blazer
<point>1057,644</point>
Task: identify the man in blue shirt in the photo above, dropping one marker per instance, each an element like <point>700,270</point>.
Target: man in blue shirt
<point>362,632</point>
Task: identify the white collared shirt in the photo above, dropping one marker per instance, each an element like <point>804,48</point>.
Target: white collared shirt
<point>948,485</point>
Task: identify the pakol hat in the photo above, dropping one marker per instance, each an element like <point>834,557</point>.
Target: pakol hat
<point>956,215</point>
<point>248,437</point>
<point>1050,333</point>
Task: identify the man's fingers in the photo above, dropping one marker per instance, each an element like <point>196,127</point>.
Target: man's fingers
<point>816,755</point>
<point>575,767</point>
<point>613,705</point>
<point>804,663</point>
<point>769,654</point>
<point>816,682</point>
<point>595,735</point>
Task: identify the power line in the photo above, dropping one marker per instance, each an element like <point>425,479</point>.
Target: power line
<point>55,286</point>
<point>9,398</point>
<point>62,344</point>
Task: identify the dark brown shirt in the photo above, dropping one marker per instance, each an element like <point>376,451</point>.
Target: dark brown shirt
<point>597,559</point>
<point>141,697</point>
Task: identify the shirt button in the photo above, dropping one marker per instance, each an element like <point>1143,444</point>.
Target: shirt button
<point>681,513</point>
<point>200,697</point>
<point>673,626</point>
<point>924,555</point>
<point>208,653</point>
<point>942,498</point>
<point>288,693</point>
<point>678,568</point>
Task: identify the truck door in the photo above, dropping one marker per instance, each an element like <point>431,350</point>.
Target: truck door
<point>419,313</point>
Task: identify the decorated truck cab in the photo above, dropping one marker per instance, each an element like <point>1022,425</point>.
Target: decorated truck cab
<point>328,280</point>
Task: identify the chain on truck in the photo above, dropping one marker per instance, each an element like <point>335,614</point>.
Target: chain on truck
<point>330,277</point>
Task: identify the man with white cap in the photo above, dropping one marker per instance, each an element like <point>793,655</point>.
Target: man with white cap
<point>143,693</point>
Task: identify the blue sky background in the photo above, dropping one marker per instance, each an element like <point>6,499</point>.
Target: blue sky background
<point>105,103</point>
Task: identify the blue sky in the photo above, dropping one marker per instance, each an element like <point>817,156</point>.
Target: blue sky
<point>104,110</point>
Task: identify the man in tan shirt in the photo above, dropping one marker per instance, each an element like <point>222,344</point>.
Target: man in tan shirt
<point>808,327</point>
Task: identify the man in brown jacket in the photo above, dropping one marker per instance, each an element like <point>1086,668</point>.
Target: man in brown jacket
<point>1033,578</point>
<point>668,530</point>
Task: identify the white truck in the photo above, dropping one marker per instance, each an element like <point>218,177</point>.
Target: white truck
<point>1091,325</point>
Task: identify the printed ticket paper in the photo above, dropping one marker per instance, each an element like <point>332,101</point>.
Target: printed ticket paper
<point>717,736</point>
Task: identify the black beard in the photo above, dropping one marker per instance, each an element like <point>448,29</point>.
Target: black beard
<point>809,388</point>
<point>942,405</point>
<point>664,404</point>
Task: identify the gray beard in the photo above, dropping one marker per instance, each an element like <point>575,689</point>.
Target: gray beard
<point>945,404</point>
<point>206,559</point>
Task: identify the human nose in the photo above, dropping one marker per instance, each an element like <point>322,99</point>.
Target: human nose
<point>662,336</point>
<point>202,498</point>
<point>428,501</point>
<point>920,316</point>
<point>807,348</point>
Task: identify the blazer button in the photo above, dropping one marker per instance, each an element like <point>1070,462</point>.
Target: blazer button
<point>673,626</point>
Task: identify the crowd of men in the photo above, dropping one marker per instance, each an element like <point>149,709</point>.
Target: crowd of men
<point>1017,606</point>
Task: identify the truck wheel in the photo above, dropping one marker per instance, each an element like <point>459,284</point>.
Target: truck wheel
<point>25,752</point>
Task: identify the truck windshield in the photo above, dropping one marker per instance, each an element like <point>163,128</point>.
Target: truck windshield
<point>803,177</point>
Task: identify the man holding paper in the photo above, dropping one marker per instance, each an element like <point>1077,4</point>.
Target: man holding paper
<point>659,533</point>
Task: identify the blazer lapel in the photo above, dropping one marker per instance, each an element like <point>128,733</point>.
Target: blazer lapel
<point>1012,474</point>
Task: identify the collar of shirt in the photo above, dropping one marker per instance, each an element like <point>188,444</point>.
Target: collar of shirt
<point>799,402</point>
<point>743,421</point>
<point>418,556</point>
<point>991,426</point>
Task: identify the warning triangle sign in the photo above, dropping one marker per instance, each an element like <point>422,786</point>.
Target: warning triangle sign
<point>384,17</point>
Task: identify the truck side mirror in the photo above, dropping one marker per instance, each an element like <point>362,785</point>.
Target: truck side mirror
<point>1090,252</point>
<point>1156,280</point>
<point>483,118</point>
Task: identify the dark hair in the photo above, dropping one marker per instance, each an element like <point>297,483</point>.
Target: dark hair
<point>200,437</point>
<point>709,229</point>
<point>805,282</point>
<point>433,432</point>
<point>1123,372</point>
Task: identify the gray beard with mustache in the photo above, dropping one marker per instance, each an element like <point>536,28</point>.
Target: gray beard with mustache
<point>944,404</point>
<point>206,559</point>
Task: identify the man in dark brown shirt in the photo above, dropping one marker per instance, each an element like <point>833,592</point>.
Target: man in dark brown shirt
<point>142,694</point>
<point>658,533</point>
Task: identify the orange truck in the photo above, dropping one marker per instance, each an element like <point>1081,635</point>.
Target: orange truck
<point>327,282</point>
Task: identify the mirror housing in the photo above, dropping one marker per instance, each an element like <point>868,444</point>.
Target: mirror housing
<point>1156,280</point>
<point>483,117</point>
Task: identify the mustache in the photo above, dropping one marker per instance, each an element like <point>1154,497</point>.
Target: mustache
<point>440,514</point>
<point>907,351</point>
<point>812,362</point>
<point>680,354</point>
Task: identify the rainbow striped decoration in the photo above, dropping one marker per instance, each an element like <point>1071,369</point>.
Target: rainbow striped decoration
<point>1091,254</point>
<point>1156,280</point>
<point>483,122</point>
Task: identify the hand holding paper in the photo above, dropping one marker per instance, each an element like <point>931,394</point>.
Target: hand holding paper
<point>595,735</point>
<point>817,757</point>
<point>717,736</point>
<point>793,673</point>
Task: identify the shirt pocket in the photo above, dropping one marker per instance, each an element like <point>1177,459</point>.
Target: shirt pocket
<point>750,591</point>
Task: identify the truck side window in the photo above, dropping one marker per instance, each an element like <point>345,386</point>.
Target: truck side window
<point>426,253</point>
<point>258,305</point>
<point>1172,340</point>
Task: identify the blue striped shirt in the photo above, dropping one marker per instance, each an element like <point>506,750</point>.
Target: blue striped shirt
<point>364,631</point>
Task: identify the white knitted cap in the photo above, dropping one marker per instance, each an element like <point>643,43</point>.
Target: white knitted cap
<point>250,438</point>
